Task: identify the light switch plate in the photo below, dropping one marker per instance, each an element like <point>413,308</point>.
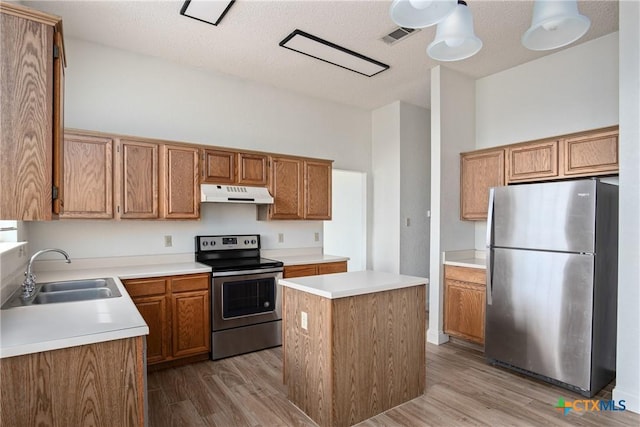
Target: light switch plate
<point>304,320</point>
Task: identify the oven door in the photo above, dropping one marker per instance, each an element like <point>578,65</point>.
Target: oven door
<point>245,299</point>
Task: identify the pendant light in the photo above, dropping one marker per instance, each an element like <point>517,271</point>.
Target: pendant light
<point>555,23</point>
<point>420,13</point>
<point>455,39</point>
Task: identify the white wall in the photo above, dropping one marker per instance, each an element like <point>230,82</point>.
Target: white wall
<point>116,91</point>
<point>385,242</point>
<point>452,132</point>
<point>415,189</point>
<point>628,350</point>
<point>346,233</point>
<point>569,91</point>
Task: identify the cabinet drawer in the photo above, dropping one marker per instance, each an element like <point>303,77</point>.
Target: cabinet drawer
<point>145,287</point>
<point>332,267</point>
<point>300,270</point>
<point>197,282</point>
<point>465,274</point>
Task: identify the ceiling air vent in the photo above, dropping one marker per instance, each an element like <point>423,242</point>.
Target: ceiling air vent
<point>398,34</point>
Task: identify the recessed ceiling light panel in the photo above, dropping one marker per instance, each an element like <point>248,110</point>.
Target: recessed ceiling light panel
<point>209,11</point>
<point>326,51</point>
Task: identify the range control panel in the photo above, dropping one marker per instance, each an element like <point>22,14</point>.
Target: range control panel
<point>221,243</point>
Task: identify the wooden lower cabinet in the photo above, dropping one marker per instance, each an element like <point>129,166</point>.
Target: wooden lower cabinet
<point>99,384</point>
<point>303,270</point>
<point>464,303</point>
<point>177,311</point>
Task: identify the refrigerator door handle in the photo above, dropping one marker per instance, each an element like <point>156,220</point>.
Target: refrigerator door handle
<point>489,249</point>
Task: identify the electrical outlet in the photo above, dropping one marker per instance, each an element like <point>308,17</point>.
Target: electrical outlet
<point>304,319</point>
<point>280,237</point>
<point>168,241</point>
<point>316,236</point>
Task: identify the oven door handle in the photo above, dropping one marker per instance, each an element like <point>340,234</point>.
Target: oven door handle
<point>245,272</point>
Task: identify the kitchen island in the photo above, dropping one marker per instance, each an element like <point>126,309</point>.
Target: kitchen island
<point>354,343</point>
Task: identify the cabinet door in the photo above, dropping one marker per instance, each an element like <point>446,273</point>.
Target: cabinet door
<point>287,186</point>
<point>592,154</point>
<point>317,179</point>
<point>332,267</point>
<point>88,177</point>
<point>219,166</point>
<point>464,310</point>
<point>532,162</point>
<point>252,169</point>
<point>26,138</point>
<point>58,122</point>
<point>190,325</point>
<point>181,188</point>
<point>478,173</point>
<point>154,312</point>
<point>138,189</point>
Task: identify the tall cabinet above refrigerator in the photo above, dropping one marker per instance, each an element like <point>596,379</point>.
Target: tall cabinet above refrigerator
<point>552,259</point>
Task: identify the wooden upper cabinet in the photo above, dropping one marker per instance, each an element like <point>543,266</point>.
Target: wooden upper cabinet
<point>180,189</point>
<point>317,179</point>
<point>219,166</point>
<point>253,169</point>
<point>138,175</point>
<point>58,121</point>
<point>532,161</point>
<point>479,171</point>
<point>88,176</point>
<point>591,154</point>
<point>234,167</point>
<point>31,130</point>
<point>287,187</point>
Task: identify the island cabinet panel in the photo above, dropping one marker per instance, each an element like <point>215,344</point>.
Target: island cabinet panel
<point>479,171</point>
<point>138,189</point>
<point>532,161</point>
<point>30,101</point>
<point>180,190</point>
<point>88,177</point>
<point>464,303</point>
<point>358,356</point>
<point>591,154</point>
<point>98,384</point>
<point>219,166</point>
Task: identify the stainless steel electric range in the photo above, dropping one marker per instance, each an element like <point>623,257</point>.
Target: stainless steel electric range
<point>246,305</point>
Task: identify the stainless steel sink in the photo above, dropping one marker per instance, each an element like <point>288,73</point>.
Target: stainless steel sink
<point>71,285</point>
<point>74,295</point>
<point>67,291</point>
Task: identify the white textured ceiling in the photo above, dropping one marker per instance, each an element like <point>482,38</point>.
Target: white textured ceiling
<point>245,43</point>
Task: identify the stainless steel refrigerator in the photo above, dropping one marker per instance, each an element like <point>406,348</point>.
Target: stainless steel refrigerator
<point>552,273</point>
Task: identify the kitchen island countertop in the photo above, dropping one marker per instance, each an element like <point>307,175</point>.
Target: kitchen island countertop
<point>340,285</point>
<point>36,328</point>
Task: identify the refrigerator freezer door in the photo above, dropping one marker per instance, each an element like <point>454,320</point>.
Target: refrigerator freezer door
<point>557,216</point>
<point>540,319</point>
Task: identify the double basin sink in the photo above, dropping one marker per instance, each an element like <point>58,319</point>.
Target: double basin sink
<point>67,291</point>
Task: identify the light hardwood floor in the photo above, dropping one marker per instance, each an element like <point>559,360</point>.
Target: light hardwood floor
<point>461,390</point>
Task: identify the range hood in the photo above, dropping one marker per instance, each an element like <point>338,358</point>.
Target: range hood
<point>234,194</point>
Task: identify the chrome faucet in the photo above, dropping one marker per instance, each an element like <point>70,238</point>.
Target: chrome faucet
<point>29,284</point>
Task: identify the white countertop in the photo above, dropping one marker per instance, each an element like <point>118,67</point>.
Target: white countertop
<point>340,285</point>
<point>310,259</point>
<point>37,328</point>
<point>468,258</point>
